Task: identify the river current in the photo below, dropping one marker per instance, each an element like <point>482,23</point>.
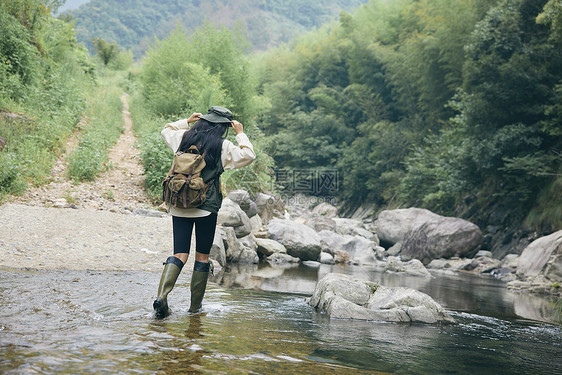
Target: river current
<point>256,320</point>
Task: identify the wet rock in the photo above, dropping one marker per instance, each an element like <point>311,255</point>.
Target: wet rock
<point>282,258</point>
<point>392,225</point>
<point>267,247</point>
<point>231,215</point>
<point>218,251</point>
<point>444,237</point>
<point>311,263</point>
<point>342,297</point>
<point>231,244</point>
<point>326,258</point>
<point>300,240</point>
<point>453,264</point>
<point>248,255</point>
<point>503,273</point>
<point>249,242</point>
<point>326,210</point>
<point>414,267</point>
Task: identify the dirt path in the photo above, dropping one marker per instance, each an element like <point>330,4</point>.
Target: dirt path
<point>120,189</point>
<point>108,224</point>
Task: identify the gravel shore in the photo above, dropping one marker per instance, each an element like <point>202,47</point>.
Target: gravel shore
<point>79,239</point>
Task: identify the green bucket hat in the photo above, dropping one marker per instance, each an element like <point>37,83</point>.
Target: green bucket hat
<point>218,115</point>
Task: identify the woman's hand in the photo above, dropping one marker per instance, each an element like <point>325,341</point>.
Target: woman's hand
<point>194,117</point>
<point>238,128</point>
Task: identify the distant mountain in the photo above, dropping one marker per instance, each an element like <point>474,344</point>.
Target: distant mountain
<point>133,24</point>
<point>71,4</point>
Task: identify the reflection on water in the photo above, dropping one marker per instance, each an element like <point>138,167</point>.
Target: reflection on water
<point>256,321</point>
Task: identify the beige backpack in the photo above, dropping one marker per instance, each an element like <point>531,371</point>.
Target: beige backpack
<point>184,187</point>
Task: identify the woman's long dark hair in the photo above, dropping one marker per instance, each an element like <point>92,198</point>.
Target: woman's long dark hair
<point>207,136</point>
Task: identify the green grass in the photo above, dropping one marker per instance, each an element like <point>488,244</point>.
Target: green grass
<point>155,154</point>
<point>103,129</point>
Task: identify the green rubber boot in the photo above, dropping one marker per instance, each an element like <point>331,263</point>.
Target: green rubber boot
<point>172,269</point>
<point>199,284</point>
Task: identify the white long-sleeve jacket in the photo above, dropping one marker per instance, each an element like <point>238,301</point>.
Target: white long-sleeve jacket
<point>232,157</point>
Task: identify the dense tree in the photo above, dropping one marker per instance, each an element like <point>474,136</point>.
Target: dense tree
<point>449,105</point>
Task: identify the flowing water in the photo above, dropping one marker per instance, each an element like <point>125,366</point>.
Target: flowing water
<point>256,320</point>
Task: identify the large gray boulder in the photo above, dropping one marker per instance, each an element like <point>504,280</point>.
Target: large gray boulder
<point>231,215</point>
<point>342,297</point>
<point>542,257</point>
<point>392,225</point>
<point>248,250</point>
<point>442,237</point>
<point>300,240</point>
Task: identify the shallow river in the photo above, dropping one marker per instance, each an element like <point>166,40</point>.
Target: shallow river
<point>256,320</point>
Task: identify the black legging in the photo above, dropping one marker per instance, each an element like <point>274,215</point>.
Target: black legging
<point>204,233</point>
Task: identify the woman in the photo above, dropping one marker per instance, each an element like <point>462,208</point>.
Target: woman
<point>207,134</point>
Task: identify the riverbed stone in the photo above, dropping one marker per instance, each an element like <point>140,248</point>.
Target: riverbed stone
<point>231,215</point>
<point>218,251</point>
<point>267,247</point>
<point>392,225</point>
<point>300,240</point>
<point>413,267</point>
<point>342,297</point>
<point>326,258</point>
<point>282,258</point>
<point>443,237</point>
<point>542,257</point>
<point>231,244</point>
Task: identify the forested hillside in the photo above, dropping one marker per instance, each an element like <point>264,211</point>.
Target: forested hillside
<point>134,23</point>
<point>450,105</point>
